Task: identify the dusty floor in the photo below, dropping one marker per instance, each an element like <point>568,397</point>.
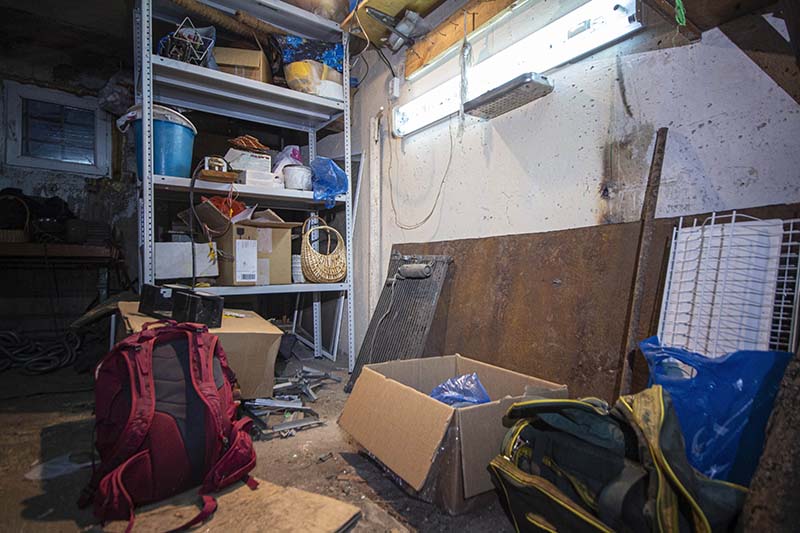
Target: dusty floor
<point>41,421</point>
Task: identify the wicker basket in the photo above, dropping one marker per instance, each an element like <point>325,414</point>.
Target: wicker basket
<point>16,235</point>
<point>329,267</point>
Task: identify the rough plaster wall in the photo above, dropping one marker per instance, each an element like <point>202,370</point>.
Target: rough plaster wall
<point>109,199</point>
<point>579,157</point>
<point>71,68</point>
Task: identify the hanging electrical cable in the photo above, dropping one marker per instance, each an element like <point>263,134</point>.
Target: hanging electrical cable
<point>208,232</point>
<point>465,57</point>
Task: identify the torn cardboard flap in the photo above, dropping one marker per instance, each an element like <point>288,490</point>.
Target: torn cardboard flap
<point>208,214</point>
<point>386,434</point>
<point>269,219</point>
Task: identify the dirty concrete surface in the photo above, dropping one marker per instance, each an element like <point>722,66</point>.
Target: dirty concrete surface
<point>42,421</point>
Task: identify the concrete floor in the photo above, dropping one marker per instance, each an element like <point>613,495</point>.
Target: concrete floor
<point>42,421</point>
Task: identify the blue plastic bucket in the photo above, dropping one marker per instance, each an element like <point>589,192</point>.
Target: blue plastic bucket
<point>173,141</point>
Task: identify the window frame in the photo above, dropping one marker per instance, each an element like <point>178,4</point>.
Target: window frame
<point>16,92</point>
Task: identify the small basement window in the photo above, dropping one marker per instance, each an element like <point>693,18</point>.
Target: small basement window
<point>55,130</point>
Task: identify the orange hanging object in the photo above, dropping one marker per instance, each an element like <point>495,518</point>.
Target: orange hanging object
<point>226,205</point>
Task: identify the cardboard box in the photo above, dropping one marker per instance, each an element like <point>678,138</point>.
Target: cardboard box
<point>238,256</point>
<point>251,345</point>
<point>440,453</point>
<point>174,262</point>
<point>250,64</point>
<point>266,262</point>
<point>274,247</point>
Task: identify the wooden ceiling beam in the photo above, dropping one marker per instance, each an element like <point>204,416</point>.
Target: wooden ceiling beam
<point>667,10</point>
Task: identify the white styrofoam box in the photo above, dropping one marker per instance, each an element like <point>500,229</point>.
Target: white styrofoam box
<point>173,260</point>
<point>260,178</point>
<point>241,160</point>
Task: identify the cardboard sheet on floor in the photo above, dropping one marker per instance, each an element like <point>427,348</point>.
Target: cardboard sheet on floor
<point>250,343</point>
<point>268,508</point>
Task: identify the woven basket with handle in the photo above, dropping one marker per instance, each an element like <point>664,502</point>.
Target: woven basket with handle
<point>20,234</point>
<point>318,267</point>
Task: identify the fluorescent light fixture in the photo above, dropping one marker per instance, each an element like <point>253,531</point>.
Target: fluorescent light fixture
<point>577,33</point>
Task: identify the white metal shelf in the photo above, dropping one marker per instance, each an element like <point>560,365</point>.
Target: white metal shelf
<point>192,87</point>
<point>284,197</point>
<point>288,17</point>
<point>277,289</point>
<point>203,89</point>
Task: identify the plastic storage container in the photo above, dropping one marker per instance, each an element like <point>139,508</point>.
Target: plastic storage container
<point>173,140</point>
<point>297,177</point>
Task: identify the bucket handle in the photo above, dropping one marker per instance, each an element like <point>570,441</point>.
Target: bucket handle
<point>124,122</point>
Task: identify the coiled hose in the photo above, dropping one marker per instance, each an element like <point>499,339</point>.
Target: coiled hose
<point>37,356</point>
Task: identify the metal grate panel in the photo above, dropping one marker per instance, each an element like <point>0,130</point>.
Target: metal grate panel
<point>404,314</point>
<point>732,284</point>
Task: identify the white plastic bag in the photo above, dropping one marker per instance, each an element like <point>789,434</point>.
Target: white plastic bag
<point>288,156</point>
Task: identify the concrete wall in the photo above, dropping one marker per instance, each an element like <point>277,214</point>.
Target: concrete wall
<point>579,156</point>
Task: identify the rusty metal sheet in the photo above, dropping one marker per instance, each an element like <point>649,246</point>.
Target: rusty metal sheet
<point>553,305</point>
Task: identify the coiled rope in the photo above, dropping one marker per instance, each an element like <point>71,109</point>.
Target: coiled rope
<point>37,356</point>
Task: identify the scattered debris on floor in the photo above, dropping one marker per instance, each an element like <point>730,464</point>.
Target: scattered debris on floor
<point>305,381</point>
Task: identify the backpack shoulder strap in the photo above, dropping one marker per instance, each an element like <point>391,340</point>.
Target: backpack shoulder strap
<point>137,351</point>
<point>219,353</point>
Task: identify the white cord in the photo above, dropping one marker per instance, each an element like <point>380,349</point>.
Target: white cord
<point>427,217</point>
<point>465,57</point>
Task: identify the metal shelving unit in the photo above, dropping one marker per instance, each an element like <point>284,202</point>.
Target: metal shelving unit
<point>290,198</point>
<point>162,80</point>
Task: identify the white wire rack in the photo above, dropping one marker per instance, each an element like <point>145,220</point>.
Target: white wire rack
<point>732,284</point>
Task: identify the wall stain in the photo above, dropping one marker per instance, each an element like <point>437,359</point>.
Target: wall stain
<point>622,91</point>
<point>625,162</point>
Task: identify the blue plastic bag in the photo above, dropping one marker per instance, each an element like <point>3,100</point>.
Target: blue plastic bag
<point>722,403</point>
<point>463,389</point>
<point>328,180</point>
<point>294,48</point>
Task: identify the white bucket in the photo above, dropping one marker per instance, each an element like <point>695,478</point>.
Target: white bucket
<point>297,177</point>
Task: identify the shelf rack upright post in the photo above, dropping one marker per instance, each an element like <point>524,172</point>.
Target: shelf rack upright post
<point>190,86</point>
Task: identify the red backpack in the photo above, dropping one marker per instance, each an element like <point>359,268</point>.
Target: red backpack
<point>165,422</point>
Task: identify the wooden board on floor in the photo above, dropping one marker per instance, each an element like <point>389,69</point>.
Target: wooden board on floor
<point>268,508</point>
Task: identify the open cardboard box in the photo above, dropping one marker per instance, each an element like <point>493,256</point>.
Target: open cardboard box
<point>268,263</point>
<point>439,452</point>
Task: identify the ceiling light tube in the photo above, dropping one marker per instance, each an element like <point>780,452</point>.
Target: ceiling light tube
<point>591,26</point>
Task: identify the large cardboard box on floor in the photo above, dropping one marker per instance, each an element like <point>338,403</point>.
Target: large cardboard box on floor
<point>439,452</point>
<point>250,343</point>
